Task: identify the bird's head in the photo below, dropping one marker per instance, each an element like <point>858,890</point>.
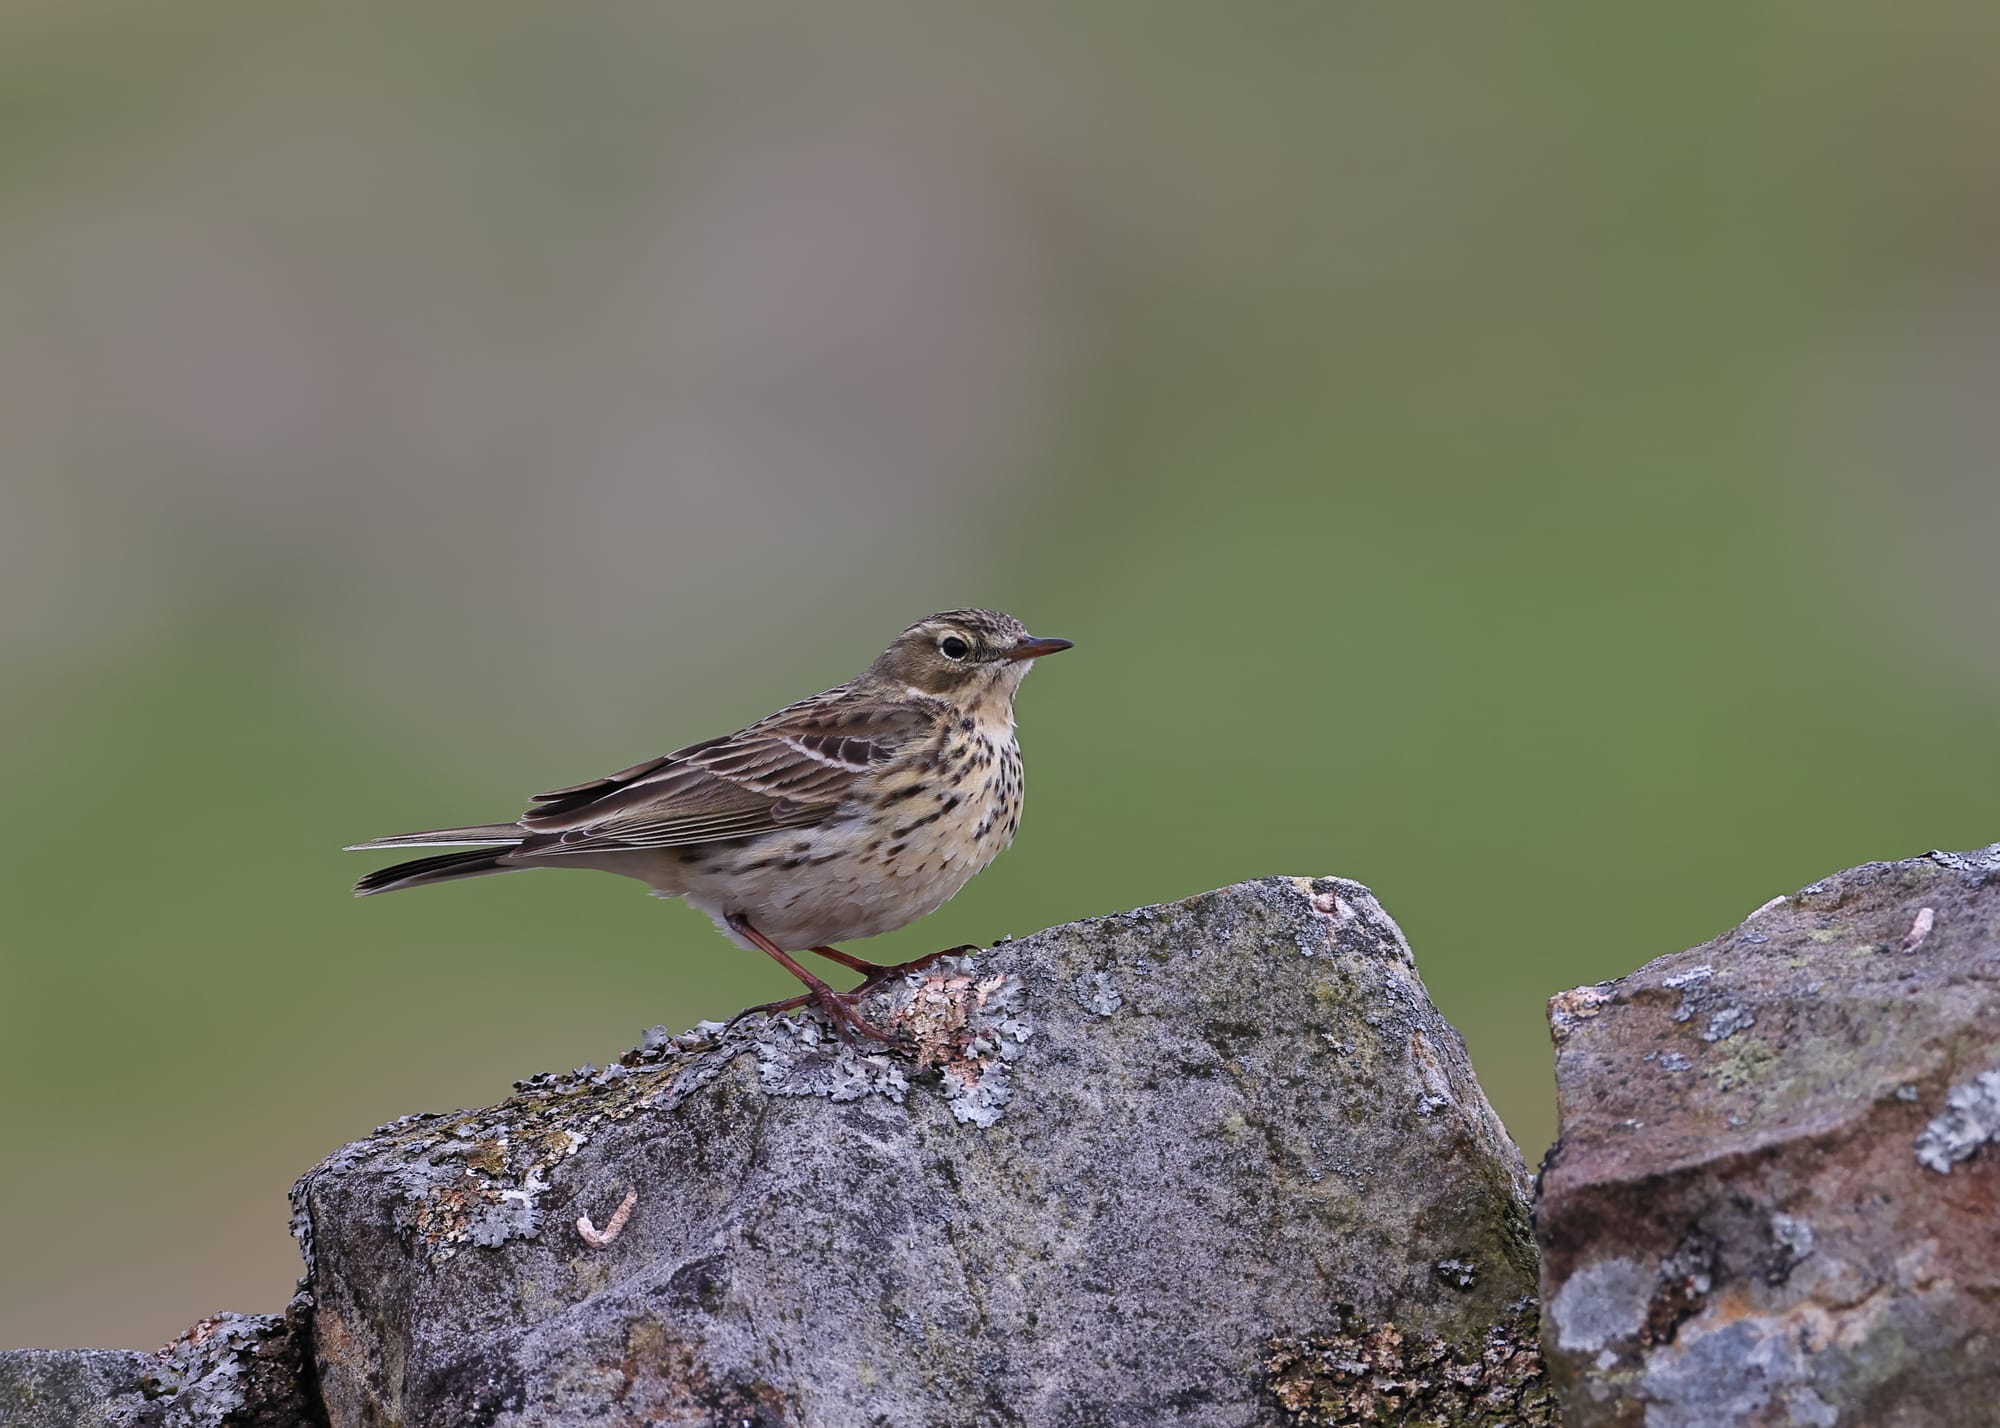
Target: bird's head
<point>963,655</point>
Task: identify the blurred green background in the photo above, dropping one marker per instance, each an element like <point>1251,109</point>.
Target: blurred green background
<point>1540,463</point>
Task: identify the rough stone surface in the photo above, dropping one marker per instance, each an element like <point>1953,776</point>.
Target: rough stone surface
<point>1177,1166</point>
<point>68,1388</point>
<point>1776,1197</point>
<point>229,1371</point>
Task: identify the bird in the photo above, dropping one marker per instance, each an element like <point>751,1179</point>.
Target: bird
<point>843,816</point>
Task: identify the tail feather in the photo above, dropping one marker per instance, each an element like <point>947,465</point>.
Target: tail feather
<point>444,868</point>
<point>487,834</point>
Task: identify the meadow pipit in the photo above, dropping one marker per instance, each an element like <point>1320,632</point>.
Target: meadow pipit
<point>848,814</point>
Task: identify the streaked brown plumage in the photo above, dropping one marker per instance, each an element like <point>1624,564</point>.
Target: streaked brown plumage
<point>845,815</point>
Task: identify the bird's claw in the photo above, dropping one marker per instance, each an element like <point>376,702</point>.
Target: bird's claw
<point>783,1006</point>
<point>883,974</point>
<point>837,1008</point>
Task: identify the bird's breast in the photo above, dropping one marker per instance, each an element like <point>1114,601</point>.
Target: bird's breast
<point>959,804</point>
<point>899,848</point>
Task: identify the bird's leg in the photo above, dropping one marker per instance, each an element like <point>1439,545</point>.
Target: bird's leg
<point>873,971</point>
<point>849,960</point>
<point>874,974</point>
<point>838,1006</point>
<point>878,973</point>
<point>780,1007</point>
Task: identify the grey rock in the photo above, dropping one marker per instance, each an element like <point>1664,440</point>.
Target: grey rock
<point>228,1371</point>
<point>68,1388</point>
<point>1775,1198</point>
<point>1195,1164</point>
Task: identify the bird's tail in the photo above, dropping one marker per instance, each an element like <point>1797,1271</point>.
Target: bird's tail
<point>444,868</point>
<point>498,839</point>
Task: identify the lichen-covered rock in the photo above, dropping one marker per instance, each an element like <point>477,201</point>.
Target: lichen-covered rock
<point>1775,1199</point>
<point>1145,1170</point>
<point>228,1371</point>
<point>1376,1373</point>
<point>69,1388</point>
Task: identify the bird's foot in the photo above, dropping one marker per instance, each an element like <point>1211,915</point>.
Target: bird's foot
<point>837,1007</point>
<point>883,974</point>
<point>784,1006</point>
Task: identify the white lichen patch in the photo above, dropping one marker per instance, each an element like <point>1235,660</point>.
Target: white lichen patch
<point>802,1057</point>
<point>965,1025</point>
<point>1690,984</point>
<point>1726,1021</point>
<point>200,1377</point>
<point>1977,861</point>
<point>1793,1234</point>
<point>1097,992</point>
<point>485,1206</point>
<point>1971,1118</point>
<point>512,1214</point>
<point>1700,995</point>
<point>1601,1302</point>
<point>1758,1368</point>
<point>1458,1273</point>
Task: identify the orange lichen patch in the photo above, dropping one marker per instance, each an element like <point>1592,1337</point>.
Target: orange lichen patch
<point>1577,1004</point>
<point>558,1143</point>
<point>966,1026</point>
<point>447,1213</point>
<point>938,1019</point>
<point>489,1156</point>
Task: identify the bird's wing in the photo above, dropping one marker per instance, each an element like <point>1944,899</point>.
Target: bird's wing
<point>787,771</point>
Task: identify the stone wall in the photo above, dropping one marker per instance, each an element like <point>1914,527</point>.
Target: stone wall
<point>1219,1162</point>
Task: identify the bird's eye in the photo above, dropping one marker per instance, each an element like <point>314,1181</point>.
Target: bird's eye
<point>952,647</point>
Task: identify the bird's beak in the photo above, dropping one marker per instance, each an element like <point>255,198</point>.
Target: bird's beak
<point>1035,649</point>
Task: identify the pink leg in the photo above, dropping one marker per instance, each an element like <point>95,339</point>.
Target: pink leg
<point>878,973</point>
<point>838,1006</point>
